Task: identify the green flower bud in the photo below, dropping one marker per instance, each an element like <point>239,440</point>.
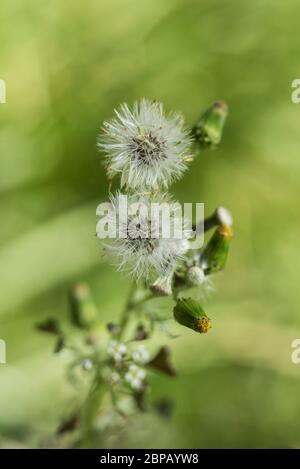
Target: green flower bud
<point>209,128</point>
<point>214,255</point>
<point>189,313</point>
<point>82,308</point>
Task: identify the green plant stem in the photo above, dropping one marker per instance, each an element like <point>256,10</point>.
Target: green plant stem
<point>91,407</point>
<point>97,389</point>
<point>130,305</point>
<point>126,311</point>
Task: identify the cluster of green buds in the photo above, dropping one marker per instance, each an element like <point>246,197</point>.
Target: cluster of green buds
<point>211,259</point>
<point>199,269</point>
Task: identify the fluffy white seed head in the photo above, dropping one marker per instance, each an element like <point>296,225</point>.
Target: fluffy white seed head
<point>147,148</point>
<point>141,247</point>
<point>195,275</point>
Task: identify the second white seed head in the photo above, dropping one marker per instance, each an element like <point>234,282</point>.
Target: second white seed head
<point>140,248</point>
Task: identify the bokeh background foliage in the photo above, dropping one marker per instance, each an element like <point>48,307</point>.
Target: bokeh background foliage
<point>66,65</point>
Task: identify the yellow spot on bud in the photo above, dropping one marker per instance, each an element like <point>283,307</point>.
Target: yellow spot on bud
<point>226,231</point>
<point>203,325</point>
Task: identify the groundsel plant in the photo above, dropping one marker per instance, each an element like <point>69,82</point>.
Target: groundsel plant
<point>145,236</point>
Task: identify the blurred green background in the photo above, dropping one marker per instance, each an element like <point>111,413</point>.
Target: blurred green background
<point>66,66</point>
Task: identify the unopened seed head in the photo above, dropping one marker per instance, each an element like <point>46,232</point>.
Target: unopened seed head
<point>224,216</point>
